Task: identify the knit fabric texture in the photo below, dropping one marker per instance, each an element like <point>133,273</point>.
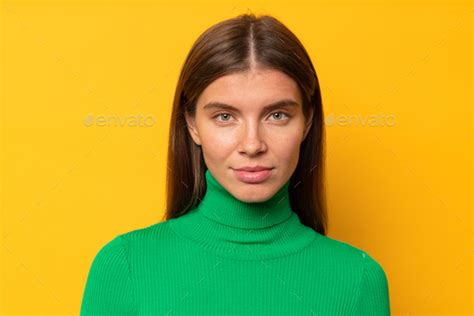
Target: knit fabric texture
<point>229,257</point>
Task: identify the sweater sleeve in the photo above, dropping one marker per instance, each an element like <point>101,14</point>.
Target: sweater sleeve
<point>374,291</point>
<point>109,289</point>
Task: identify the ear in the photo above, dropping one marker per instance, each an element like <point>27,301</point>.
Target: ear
<point>191,125</point>
<point>309,122</point>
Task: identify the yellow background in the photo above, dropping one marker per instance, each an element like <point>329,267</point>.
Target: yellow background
<point>403,192</point>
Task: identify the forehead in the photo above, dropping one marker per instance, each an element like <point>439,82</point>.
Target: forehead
<point>255,88</point>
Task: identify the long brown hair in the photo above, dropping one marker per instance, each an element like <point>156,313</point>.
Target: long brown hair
<point>229,47</point>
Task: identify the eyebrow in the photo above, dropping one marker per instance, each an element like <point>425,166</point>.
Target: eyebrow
<point>271,106</point>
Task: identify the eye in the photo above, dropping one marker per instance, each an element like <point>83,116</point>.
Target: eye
<point>221,115</point>
<point>280,114</point>
<point>227,115</point>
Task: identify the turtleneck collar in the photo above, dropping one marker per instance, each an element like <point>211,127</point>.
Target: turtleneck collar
<point>222,207</point>
<point>229,227</point>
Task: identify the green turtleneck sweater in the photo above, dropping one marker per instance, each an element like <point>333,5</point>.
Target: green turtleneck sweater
<point>228,257</point>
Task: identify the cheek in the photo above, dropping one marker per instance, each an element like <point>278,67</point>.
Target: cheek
<point>218,145</point>
<point>286,146</point>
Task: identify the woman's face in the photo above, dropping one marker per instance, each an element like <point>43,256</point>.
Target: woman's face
<point>247,134</point>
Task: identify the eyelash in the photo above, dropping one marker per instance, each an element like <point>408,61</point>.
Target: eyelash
<point>287,115</point>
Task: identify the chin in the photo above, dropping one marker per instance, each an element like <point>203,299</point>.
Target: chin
<point>253,195</point>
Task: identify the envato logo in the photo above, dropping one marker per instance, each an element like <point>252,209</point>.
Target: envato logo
<point>372,120</point>
<point>137,120</point>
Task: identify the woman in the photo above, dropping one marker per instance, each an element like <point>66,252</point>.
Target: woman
<point>245,227</point>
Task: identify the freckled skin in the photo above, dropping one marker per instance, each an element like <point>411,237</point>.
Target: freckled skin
<point>253,136</point>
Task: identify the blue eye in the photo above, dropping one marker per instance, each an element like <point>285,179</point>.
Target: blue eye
<point>223,114</point>
<point>280,113</point>
<point>228,115</point>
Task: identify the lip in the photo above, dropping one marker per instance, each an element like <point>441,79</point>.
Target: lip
<point>253,176</point>
<point>253,169</point>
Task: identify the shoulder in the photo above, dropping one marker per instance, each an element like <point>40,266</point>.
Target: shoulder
<point>112,253</point>
<point>343,251</point>
<point>349,257</point>
<point>356,263</point>
<point>149,241</point>
<point>152,233</point>
<point>109,285</point>
<point>117,249</point>
<point>349,266</point>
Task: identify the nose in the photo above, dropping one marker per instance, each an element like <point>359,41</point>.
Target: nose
<point>252,142</point>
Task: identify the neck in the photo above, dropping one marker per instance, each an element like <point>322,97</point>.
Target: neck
<point>233,228</point>
<point>223,208</point>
